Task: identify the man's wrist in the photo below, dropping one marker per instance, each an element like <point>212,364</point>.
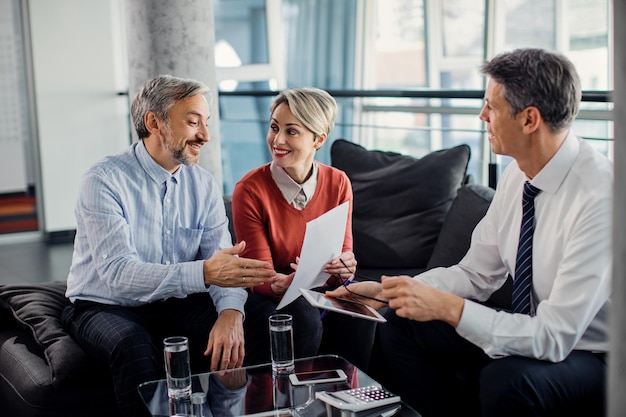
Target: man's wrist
<point>206,273</point>
<point>454,309</point>
<point>231,311</point>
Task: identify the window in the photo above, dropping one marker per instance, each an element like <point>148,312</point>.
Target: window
<point>248,58</point>
<point>402,45</point>
<point>295,43</point>
<point>432,44</point>
<point>426,45</point>
<point>15,130</point>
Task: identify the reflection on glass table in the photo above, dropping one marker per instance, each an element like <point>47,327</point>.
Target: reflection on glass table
<point>254,391</point>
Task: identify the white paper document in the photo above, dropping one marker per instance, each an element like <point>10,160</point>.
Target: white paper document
<point>323,241</point>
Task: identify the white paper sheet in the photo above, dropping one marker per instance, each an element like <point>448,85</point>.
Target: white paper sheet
<point>323,241</point>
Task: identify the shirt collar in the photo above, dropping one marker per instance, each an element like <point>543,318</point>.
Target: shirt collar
<point>152,168</point>
<point>288,187</point>
<point>553,173</point>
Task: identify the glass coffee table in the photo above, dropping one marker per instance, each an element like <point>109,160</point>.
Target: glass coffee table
<point>252,391</point>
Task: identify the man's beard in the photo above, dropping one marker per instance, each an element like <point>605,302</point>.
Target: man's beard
<point>181,156</point>
<point>178,154</point>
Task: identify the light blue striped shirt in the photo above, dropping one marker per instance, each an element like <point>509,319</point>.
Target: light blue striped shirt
<point>142,233</point>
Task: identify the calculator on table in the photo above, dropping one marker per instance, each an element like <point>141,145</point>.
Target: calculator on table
<point>358,399</point>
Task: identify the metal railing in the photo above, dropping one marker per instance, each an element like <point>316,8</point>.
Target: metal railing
<point>356,105</point>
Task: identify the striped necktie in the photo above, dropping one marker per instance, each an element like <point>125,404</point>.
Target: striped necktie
<point>522,284</point>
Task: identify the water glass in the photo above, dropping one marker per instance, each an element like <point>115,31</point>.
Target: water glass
<point>177,367</point>
<point>281,343</point>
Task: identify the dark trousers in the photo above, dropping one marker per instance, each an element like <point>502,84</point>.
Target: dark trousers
<point>130,340</point>
<point>349,337</point>
<point>307,328</point>
<point>439,373</point>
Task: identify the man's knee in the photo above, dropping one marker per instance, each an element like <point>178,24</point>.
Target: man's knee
<point>517,386</point>
<point>505,387</point>
<point>111,335</point>
<point>132,342</point>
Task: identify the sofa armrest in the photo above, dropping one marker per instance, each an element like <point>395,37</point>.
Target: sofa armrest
<point>27,387</point>
<point>37,309</point>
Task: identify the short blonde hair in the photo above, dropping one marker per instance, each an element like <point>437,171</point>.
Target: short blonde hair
<point>315,108</point>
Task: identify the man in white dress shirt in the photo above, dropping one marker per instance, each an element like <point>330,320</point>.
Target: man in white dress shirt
<point>447,354</point>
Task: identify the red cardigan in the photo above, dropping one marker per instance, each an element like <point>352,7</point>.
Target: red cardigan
<point>272,228</point>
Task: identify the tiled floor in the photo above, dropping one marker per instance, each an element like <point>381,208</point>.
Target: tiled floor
<point>26,258</point>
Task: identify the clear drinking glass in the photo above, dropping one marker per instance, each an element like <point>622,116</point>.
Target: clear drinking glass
<point>281,343</point>
<point>177,367</point>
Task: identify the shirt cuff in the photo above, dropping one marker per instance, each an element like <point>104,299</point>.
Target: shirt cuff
<point>192,274</point>
<point>230,299</point>
<point>475,324</point>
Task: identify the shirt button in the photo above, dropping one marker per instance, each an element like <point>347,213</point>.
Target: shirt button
<point>167,232</point>
<point>168,200</point>
<point>167,262</point>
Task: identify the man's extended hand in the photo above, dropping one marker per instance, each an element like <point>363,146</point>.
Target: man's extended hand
<point>226,341</point>
<point>227,269</point>
<point>417,301</point>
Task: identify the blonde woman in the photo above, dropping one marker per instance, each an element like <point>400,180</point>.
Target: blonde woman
<point>273,203</point>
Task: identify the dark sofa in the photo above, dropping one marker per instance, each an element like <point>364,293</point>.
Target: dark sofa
<point>43,372</point>
<point>409,215</point>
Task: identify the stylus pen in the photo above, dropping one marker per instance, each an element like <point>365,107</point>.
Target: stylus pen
<point>345,283</point>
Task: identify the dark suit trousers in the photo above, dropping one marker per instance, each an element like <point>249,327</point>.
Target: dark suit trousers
<point>129,340</point>
<point>439,373</point>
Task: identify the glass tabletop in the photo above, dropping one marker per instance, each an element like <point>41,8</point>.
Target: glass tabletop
<point>253,391</point>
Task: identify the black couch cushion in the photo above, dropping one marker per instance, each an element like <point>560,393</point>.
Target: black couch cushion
<point>468,208</point>
<point>454,240</point>
<point>37,308</point>
<point>400,202</point>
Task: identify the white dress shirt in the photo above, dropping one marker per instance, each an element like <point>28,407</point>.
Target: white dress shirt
<point>572,260</point>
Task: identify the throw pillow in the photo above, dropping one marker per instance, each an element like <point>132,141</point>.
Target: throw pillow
<point>38,308</point>
<point>400,202</point>
<point>466,211</point>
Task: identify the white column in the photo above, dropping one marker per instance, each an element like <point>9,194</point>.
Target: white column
<point>176,38</point>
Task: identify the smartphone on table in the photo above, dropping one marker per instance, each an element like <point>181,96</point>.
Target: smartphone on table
<point>318,377</point>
